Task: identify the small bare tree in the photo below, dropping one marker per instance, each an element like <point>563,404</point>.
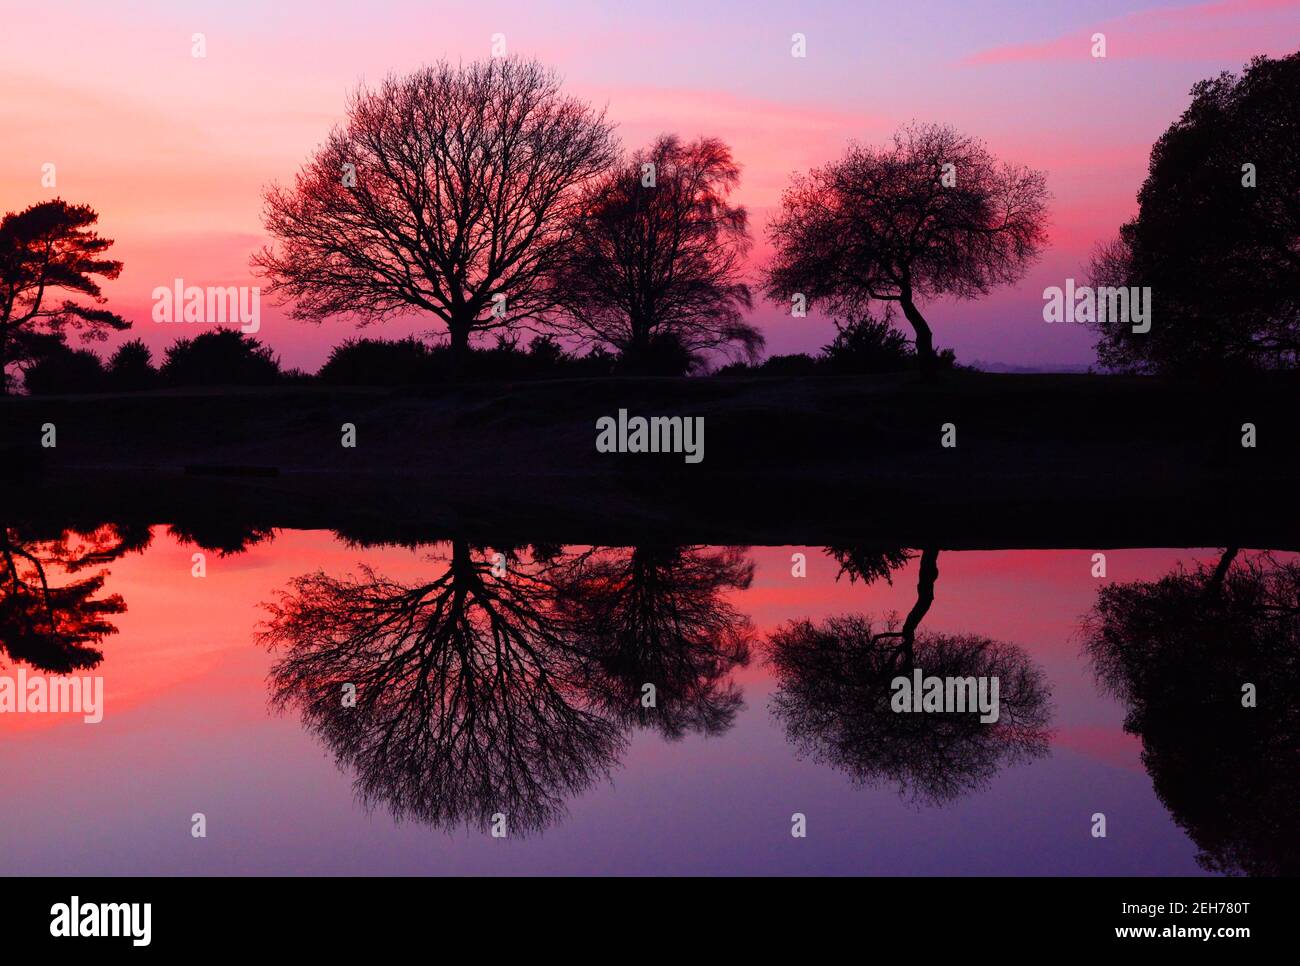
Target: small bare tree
<point>658,252</point>
<point>932,214</point>
<point>449,191</point>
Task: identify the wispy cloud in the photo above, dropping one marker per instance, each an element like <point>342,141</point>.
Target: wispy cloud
<point>1224,30</point>
<point>770,138</point>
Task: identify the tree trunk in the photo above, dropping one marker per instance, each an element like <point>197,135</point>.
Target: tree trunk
<point>927,575</point>
<point>636,355</point>
<point>1214,586</point>
<point>4,362</point>
<point>462,563</point>
<point>459,331</point>
<point>925,356</point>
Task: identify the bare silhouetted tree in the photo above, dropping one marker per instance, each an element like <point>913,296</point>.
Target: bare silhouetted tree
<point>897,225</point>
<point>47,248</point>
<point>659,616</point>
<point>449,191</point>
<point>658,252</point>
<point>468,699</point>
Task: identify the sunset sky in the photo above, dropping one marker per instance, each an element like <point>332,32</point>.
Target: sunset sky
<point>174,150</point>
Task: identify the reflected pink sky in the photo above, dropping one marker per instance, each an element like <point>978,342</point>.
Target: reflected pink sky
<point>187,728</point>
<point>174,151</point>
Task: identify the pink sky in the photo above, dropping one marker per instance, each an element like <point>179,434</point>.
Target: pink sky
<point>178,630</point>
<point>187,728</point>
<point>174,150</point>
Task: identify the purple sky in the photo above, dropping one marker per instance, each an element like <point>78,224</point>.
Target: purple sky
<point>174,150</point>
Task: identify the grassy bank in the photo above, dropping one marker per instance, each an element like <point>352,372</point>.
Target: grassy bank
<point>783,459</point>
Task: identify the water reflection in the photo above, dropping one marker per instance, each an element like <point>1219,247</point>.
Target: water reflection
<point>1180,651</point>
<point>657,637</point>
<point>834,696</point>
<point>224,537</point>
<point>510,679</point>
<point>468,690</point>
<point>54,626</point>
<point>507,683</point>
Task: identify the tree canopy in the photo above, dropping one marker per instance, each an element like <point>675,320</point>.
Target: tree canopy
<point>931,214</point>
<point>1217,234</point>
<point>1207,662</point>
<point>47,248</point>
<point>659,251</point>
<point>449,191</point>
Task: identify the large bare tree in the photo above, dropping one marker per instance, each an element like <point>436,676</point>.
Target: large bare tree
<point>448,191</point>
<point>932,214</point>
<point>659,252</point>
<point>469,694</point>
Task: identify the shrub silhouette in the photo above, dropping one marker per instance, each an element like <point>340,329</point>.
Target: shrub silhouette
<point>63,369</point>
<point>130,369</point>
<point>798,364</point>
<point>409,361</point>
<point>663,355</point>
<point>222,357</point>
<point>544,357</point>
<point>862,346</point>
<point>378,362</point>
<point>868,345</point>
<point>865,345</point>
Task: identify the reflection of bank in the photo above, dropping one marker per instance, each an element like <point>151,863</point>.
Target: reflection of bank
<point>1208,662</point>
<point>835,694</point>
<point>506,684</point>
<point>56,624</point>
<point>49,618</point>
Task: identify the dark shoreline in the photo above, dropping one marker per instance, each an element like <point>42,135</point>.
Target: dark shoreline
<point>1041,461</point>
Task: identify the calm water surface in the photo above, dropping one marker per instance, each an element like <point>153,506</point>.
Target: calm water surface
<point>513,684</point>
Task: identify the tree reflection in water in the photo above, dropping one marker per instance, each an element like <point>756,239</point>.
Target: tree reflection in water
<point>1179,651</point>
<point>658,640</point>
<point>53,626</point>
<point>468,696</point>
<point>834,694</point>
<point>507,683</point>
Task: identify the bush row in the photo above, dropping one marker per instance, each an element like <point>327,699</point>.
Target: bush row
<point>224,357</point>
